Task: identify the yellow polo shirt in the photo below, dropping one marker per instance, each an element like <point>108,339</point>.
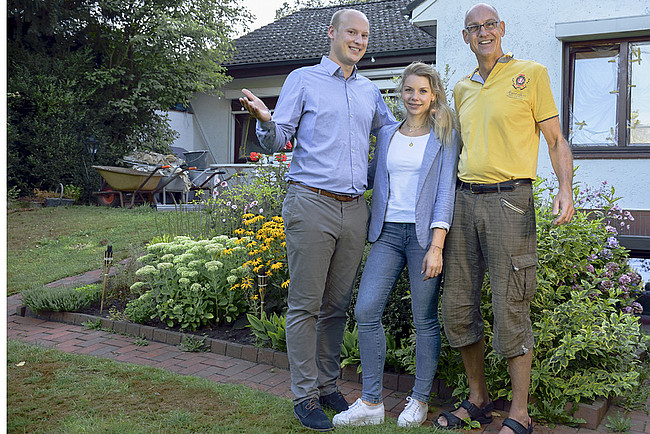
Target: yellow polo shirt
<point>499,120</point>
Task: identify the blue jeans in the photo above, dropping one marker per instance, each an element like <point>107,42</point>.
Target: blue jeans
<point>397,246</point>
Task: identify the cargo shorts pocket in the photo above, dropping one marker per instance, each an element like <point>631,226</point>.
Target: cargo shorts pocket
<point>523,279</point>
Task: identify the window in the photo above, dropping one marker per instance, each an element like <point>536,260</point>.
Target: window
<point>607,110</point>
<point>245,136</point>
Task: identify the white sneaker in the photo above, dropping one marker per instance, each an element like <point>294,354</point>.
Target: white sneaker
<point>414,414</point>
<point>360,413</point>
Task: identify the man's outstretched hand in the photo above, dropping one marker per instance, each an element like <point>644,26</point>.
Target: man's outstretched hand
<point>255,106</point>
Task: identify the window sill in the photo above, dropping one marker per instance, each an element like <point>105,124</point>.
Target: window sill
<point>610,152</point>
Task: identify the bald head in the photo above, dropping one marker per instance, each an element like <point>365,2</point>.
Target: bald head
<point>339,15</point>
<point>481,6</point>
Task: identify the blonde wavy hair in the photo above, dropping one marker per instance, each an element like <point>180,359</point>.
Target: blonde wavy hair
<point>441,116</point>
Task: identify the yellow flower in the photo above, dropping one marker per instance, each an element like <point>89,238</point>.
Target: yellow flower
<point>246,283</point>
<point>254,297</point>
<point>226,252</point>
<point>283,244</point>
<point>276,266</point>
<point>239,231</point>
<point>248,216</point>
<point>240,241</point>
<point>285,284</point>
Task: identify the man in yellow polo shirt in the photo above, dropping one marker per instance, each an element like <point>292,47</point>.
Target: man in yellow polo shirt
<point>502,107</point>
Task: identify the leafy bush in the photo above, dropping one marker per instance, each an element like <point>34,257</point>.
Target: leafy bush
<point>141,309</point>
<point>269,331</point>
<point>63,299</point>
<point>192,281</point>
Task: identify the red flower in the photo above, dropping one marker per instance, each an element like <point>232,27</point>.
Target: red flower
<point>281,157</point>
<point>255,156</point>
<point>288,146</point>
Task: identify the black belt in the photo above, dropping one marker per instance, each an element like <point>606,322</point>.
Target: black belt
<point>339,197</point>
<point>493,188</point>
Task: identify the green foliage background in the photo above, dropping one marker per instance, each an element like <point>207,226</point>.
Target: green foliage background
<point>102,74</point>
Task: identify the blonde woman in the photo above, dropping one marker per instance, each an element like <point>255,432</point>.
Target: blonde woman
<point>414,177</point>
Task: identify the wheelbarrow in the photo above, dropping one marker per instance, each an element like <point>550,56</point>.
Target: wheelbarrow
<point>140,187</point>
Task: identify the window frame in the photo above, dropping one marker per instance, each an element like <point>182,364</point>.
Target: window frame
<point>622,150</point>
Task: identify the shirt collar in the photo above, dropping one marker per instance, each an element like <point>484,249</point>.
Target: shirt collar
<point>475,76</point>
<point>333,68</point>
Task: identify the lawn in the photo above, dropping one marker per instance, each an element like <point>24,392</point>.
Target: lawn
<point>52,391</point>
<point>47,244</point>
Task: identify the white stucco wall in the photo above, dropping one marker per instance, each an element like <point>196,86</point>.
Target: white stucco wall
<point>183,124</point>
<point>530,34</point>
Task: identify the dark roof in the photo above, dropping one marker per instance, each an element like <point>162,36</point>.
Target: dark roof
<point>301,38</point>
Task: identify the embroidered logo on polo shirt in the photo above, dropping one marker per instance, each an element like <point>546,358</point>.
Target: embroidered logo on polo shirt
<point>520,81</point>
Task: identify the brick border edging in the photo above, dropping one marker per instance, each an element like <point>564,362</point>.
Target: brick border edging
<point>591,413</point>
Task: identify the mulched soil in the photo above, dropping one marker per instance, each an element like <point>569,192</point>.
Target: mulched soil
<point>236,332</point>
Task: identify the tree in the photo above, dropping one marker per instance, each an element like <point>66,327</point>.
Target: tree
<point>104,72</point>
<point>287,9</point>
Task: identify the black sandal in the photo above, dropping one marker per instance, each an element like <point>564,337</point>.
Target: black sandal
<point>517,427</point>
<point>480,415</point>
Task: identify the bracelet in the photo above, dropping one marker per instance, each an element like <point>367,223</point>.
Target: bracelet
<point>435,247</point>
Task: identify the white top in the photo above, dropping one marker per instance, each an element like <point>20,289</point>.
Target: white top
<point>405,156</point>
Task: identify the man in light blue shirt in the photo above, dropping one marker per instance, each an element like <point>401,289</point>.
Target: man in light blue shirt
<point>330,110</point>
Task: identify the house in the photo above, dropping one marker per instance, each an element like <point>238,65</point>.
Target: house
<point>598,58</point>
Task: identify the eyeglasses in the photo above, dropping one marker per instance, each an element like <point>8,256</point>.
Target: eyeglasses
<point>490,25</point>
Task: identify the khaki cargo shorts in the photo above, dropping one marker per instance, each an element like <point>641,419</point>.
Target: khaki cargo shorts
<point>493,231</point>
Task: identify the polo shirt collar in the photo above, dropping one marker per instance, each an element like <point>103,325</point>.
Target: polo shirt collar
<point>475,76</point>
<point>333,68</point>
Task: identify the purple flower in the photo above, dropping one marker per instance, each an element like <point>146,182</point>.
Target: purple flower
<point>224,184</point>
<point>606,285</point>
<point>612,242</point>
<point>590,268</point>
<point>611,229</point>
<point>612,267</point>
<point>592,257</point>
<point>233,206</point>
<point>635,278</point>
<point>637,308</point>
<point>605,254</point>
<point>627,309</point>
<point>624,279</point>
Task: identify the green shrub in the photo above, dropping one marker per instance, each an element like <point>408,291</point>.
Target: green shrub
<point>192,282</point>
<point>271,331</point>
<point>141,309</point>
<point>63,299</point>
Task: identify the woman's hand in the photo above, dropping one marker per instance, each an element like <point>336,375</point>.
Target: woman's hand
<point>432,263</point>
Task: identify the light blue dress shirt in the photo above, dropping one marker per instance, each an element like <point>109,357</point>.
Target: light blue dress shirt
<point>331,118</point>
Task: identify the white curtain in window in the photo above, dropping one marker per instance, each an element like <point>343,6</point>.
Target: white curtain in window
<point>639,122</point>
<point>593,120</point>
